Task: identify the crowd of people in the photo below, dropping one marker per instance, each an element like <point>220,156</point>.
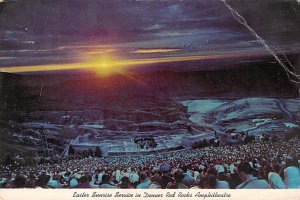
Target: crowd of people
<point>254,165</point>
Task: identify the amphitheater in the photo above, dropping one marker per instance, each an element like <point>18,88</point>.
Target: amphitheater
<point>129,147</point>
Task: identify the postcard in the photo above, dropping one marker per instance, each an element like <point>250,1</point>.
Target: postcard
<point>149,99</point>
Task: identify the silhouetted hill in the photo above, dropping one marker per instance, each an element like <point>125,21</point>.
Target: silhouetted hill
<point>250,79</point>
<point>258,79</point>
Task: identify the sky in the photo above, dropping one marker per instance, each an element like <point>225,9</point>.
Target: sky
<point>112,35</point>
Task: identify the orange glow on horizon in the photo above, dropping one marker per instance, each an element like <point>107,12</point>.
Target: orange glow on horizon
<point>105,65</point>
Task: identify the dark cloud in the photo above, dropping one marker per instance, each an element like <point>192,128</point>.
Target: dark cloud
<point>275,20</point>
<point>111,21</point>
<point>192,25</point>
<point>130,20</point>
